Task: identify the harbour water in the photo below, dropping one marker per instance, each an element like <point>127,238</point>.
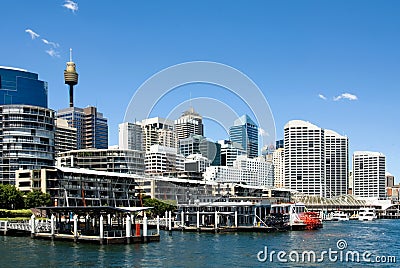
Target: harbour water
<point>379,238</point>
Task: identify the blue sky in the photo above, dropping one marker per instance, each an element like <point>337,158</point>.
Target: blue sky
<point>293,50</point>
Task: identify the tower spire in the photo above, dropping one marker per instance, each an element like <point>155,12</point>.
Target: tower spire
<point>71,78</point>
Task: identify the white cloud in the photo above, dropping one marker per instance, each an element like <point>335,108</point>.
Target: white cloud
<point>346,96</point>
<point>71,5</point>
<point>321,96</point>
<point>32,33</point>
<point>262,132</point>
<point>50,43</point>
<point>53,53</point>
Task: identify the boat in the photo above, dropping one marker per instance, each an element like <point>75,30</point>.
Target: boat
<point>301,219</point>
<point>339,216</point>
<point>366,214</point>
<point>354,217</point>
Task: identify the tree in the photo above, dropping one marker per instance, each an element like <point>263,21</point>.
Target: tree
<point>10,197</point>
<point>159,207</point>
<point>37,199</point>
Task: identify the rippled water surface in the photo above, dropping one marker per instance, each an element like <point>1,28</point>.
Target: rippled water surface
<point>380,238</point>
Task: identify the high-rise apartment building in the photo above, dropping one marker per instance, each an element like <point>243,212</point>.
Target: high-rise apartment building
<point>26,139</point>
<point>26,124</point>
<point>65,136</point>
<point>158,131</point>
<point>245,132</point>
<point>336,164</point>
<point>91,126</point>
<point>130,136</point>
<point>369,174</point>
<point>304,158</point>
<point>190,123</point>
<point>278,161</point>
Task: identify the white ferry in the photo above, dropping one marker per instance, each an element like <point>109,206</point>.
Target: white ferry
<point>339,216</point>
<point>366,214</point>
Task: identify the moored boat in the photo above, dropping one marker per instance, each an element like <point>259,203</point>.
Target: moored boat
<point>339,216</point>
<point>367,214</point>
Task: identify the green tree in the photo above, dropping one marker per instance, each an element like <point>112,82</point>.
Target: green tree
<point>37,199</point>
<point>159,207</point>
<point>10,197</point>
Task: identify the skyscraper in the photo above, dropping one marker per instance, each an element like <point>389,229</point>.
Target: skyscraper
<point>190,123</point>
<point>18,86</point>
<point>336,163</point>
<point>91,126</point>
<point>304,158</point>
<point>158,131</point>
<point>245,132</point>
<point>316,160</point>
<point>26,124</point>
<point>65,136</point>
<point>278,161</point>
<point>130,136</point>
<point>369,174</point>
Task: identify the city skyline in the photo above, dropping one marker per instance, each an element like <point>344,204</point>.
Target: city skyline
<point>333,64</point>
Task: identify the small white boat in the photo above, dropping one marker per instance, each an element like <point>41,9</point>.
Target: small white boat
<point>366,214</point>
<point>339,216</point>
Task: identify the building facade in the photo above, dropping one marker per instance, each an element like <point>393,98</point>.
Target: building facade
<point>110,160</point>
<point>65,136</point>
<point>253,172</point>
<point>336,164</point>
<point>26,139</point>
<point>130,136</point>
<point>369,170</point>
<point>161,159</point>
<point>196,144</point>
<point>230,151</point>
<point>189,123</point>
<point>304,158</point>
<point>158,131</point>
<point>245,132</point>
<point>91,126</point>
<point>278,161</point>
<point>18,86</point>
<point>80,187</point>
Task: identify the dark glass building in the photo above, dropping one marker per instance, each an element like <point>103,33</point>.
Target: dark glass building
<point>245,132</point>
<point>18,86</point>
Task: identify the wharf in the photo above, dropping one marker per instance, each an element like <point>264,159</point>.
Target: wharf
<point>98,240</point>
<point>99,225</point>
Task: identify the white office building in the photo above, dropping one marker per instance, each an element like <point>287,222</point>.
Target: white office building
<point>189,123</point>
<point>278,161</point>
<point>196,163</point>
<point>230,151</point>
<point>130,136</point>
<point>65,136</point>
<point>253,172</point>
<point>158,131</point>
<point>369,175</point>
<point>160,159</point>
<point>304,158</point>
<point>336,164</point>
